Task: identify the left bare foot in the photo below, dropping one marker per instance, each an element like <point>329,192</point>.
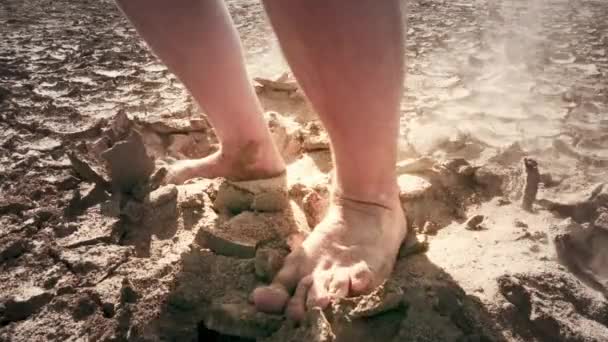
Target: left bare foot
<point>350,252</point>
<point>252,161</point>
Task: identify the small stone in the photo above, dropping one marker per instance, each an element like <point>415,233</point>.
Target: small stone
<point>474,222</point>
<point>503,201</point>
<point>535,248</point>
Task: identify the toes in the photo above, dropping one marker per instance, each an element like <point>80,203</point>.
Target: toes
<point>296,309</point>
<point>361,279</point>
<point>339,285</point>
<point>318,294</point>
<point>270,299</point>
<point>273,298</point>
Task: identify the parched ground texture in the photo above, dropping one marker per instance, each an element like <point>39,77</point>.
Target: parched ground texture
<point>93,249</point>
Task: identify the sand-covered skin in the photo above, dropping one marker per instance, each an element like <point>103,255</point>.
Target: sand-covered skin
<point>91,252</point>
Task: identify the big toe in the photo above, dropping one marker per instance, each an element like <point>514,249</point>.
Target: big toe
<point>274,298</point>
<point>270,299</point>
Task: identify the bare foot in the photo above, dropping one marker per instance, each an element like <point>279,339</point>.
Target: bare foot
<point>249,162</point>
<point>350,252</point>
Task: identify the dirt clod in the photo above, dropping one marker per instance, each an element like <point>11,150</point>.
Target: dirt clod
<point>475,222</point>
<point>531,184</point>
<point>128,162</point>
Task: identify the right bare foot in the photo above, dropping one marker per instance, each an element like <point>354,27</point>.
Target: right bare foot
<point>249,162</point>
<point>349,253</point>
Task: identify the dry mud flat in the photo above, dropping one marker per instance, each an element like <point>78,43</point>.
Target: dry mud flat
<point>509,243</point>
<point>123,257</point>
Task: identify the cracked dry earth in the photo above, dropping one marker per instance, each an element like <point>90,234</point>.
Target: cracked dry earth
<point>506,196</point>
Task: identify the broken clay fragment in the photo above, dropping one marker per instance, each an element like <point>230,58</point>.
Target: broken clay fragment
<point>84,169</point>
<point>119,127</point>
<point>314,206</point>
<point>157,178</point>
<point>23,304</point>
<point>193,200</point>
<point>133,211</point>
<point>602,221</point>
<point>277,85</point>
<point>315,138</point>
<point>430,228</point>
<point>127,292</point>
<point>531,185</point>
<point>242,320</point>
<point>264,195</point>
<point>232,199</point>
<point>384,298</point>
<point>412,187</point>
<point>163,195</point>
<point>173,125</point>
<point>318,326</point>
<point>128,162</point>
<point>239,236</point>
<point>415,165</point>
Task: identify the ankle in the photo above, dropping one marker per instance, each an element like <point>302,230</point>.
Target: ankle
<point>386,196</point>
<point>252,154</point>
